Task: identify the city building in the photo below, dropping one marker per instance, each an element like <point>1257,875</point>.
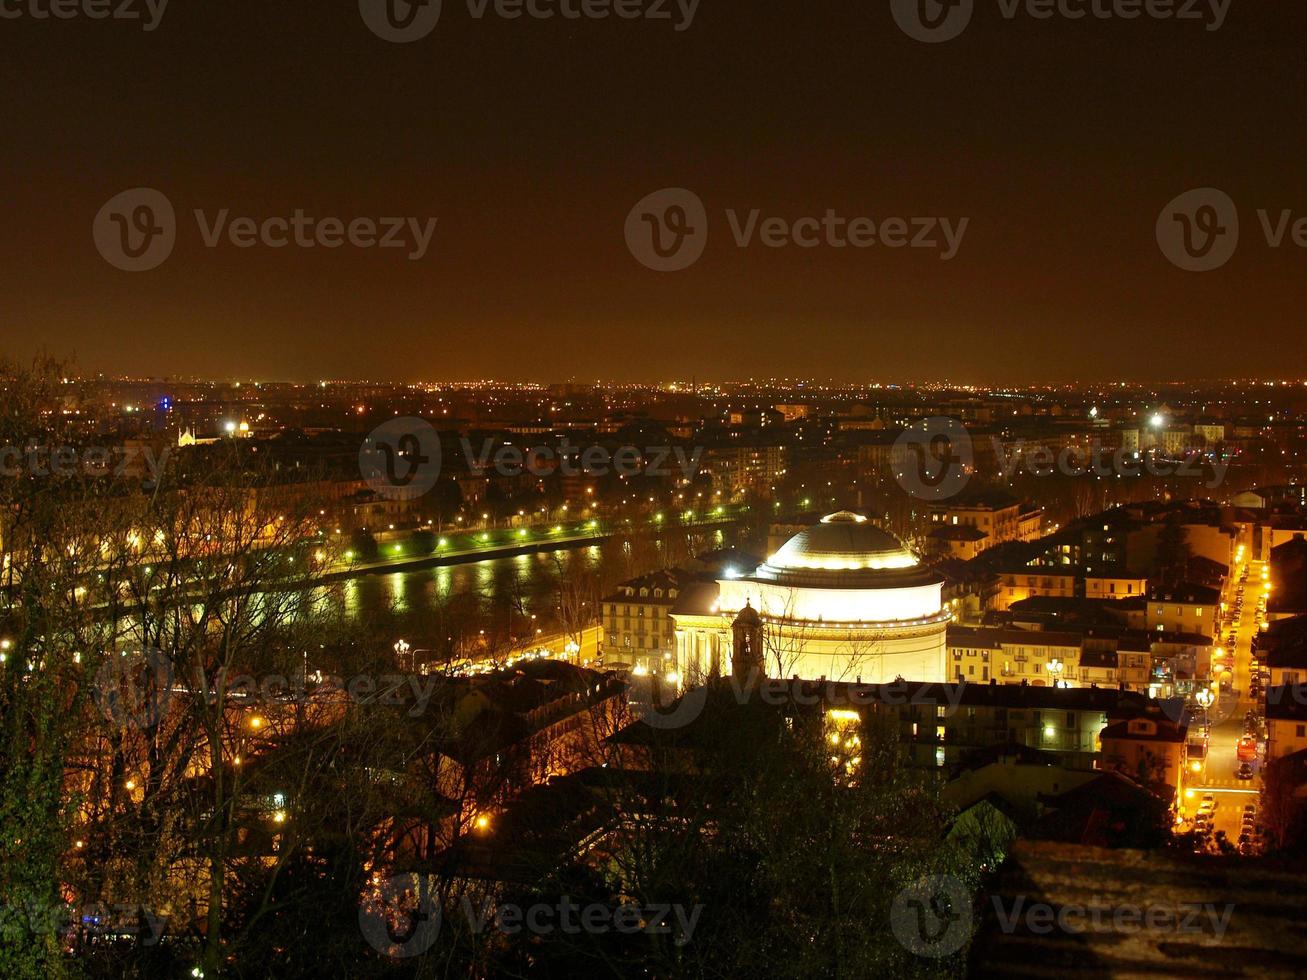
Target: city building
<point>1158,664</point>
<point>737,470</point>
<point>1149,748</point>
<point>1185,609</point>
<point>1013,656</point>
<point>962,541</point>
<point>1283,650</point>
<point>1286,719</point>
<point>841,599</point>
<point>637,625</point>
<point>997,516</point>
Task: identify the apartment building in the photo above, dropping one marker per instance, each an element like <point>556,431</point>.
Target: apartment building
<point>1185,609</point>
<point>980,654</point>
<point>1163,664</point>
<point>1286,719</point>
<point>968,525</point>
<point>736,470</point>
<point>637,627</point>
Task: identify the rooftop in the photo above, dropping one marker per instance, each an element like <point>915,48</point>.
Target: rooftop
<point>843,540</point>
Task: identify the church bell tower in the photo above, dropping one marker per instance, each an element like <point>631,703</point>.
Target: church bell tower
<point>747,663</point>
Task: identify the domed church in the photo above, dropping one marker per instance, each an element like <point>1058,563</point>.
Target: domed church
<point>842,599</point>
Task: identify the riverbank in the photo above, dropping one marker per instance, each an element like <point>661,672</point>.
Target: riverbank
<point>469,547</point>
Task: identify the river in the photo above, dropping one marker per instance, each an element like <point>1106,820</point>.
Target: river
<point>431,607</point>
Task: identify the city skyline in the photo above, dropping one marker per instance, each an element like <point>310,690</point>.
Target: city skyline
<point>511,488</point>
<point>1045,180</point>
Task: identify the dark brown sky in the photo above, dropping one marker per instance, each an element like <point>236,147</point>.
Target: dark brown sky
<point>530,141</point>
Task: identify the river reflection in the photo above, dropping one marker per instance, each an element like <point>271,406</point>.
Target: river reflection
<point>431,607</point>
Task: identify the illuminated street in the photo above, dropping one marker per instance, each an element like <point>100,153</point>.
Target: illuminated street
<point>1229,710</point>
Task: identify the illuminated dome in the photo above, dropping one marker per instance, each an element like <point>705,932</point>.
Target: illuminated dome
<point>842,600</point>
<point>843,541</point>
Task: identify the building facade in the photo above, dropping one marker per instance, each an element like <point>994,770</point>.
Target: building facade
<point>842,599</point>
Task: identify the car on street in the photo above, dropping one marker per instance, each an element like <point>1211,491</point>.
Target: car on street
<point>1245,771</point>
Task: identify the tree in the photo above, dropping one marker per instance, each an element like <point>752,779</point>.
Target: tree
<point>52,521</point>
<point>363,546</point>
<point>1283,817</point>
<point>785,837</point>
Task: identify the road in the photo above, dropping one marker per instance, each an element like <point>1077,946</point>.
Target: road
<point>1227,714</point>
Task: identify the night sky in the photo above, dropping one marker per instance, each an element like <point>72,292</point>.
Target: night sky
<point>531,140</point>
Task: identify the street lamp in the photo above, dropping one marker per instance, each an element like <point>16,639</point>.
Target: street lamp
<point>402,651</point>
<point>1205,698</point>
<point>1055,668</point>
